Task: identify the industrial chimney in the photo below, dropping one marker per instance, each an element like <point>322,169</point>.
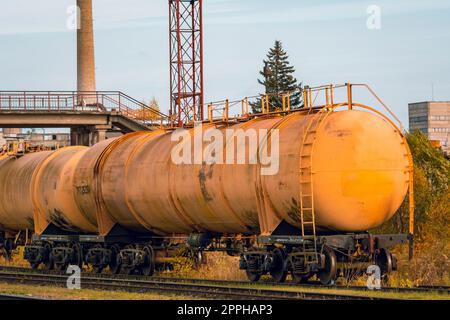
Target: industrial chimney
<point>85,48</point>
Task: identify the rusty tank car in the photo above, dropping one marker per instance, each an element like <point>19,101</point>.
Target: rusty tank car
<point>124,203</point>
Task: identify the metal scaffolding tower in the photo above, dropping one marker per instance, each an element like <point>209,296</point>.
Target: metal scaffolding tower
<point>186,61</point>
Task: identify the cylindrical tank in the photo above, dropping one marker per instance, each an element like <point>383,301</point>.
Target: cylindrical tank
<point>100,199</point>
<point>53,192</point>
<point>85,181</point>
<point>16,207</point>
<point>360,173</point>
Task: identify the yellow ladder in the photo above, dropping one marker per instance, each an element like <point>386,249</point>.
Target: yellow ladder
<point>307,214</point>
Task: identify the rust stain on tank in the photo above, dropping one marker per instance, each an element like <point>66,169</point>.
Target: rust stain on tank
<point>341,133</point>
<point>58,218</point>
<point>30,221</point>
<point>294,210</point>
<point>202,177</point>
<point>253,217</point>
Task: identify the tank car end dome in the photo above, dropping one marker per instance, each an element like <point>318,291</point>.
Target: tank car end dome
<point>361,171</point>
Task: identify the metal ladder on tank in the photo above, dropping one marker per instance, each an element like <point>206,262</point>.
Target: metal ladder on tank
<point>307,214</point>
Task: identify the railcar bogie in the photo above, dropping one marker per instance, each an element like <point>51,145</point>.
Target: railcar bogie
<point>335,256</point>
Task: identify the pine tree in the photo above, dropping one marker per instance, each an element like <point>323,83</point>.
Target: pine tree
<point>278,78</point>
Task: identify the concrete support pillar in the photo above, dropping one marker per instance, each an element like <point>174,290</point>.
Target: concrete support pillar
<point>99,134</point>
<point>73,136</point>
<point>85,138</point>
<point>80,136</point>
<point>85,51</point>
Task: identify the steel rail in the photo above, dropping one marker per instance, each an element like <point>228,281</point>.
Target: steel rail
<point>130,285</point>
<point>160,279</point>
<point>9,297</point>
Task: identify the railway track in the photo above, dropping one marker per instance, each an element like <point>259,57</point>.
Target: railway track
<point>8,297</point>
<point>420,289</point>
<point>167,282</point>
<point>164,285</point>
<point>439,288</point>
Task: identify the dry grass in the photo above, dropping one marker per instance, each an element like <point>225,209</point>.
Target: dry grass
<point>221,266</point>
<point>218,266</point>
<point>430,265</point>
<point>16,259</point>
<point>56,293</point>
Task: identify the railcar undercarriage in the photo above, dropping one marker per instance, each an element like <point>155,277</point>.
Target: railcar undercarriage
<point>8,242</point>
<point>330,257</point>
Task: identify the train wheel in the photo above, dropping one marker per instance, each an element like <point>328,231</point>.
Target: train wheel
<point>114,264</point>
<point>253,276</point>
<point>77,258</point>
<point>5,254</point>
<point>384,260</point>
<point>61,260</point>
<point>278,270</point>
<point>62,267</point>
<point>98,269</point>
<point>199,259</point>
<point>328,275</point>
<point>125,269</point>
<point>94,259</point>
<point>8,247</point>
<point>35,266</point>
<point>148,269</point>
<point>300,278</point>
<point>48,260</point>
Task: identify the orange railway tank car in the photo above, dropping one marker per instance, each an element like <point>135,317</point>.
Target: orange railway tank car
<point>122,202</point>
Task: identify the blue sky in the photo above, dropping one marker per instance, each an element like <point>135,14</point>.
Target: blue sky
<point>328,42</point>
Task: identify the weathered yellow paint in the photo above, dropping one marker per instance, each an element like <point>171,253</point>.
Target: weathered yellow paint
<point>52,191</point>
<point>16,207</point>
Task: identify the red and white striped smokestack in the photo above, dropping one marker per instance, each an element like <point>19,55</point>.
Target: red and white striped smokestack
<point>85,47</point>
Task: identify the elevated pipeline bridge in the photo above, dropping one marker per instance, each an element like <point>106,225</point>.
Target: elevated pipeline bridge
<point>89,115</point>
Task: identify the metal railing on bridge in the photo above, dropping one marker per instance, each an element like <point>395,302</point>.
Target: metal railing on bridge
<point>80,101</point>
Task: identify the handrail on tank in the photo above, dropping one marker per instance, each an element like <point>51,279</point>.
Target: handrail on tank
<point>382,103</point>
<point>280,103</point>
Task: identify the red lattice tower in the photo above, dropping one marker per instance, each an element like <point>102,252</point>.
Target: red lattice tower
<point>186,61</point>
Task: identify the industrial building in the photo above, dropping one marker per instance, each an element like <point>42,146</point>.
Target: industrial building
<point>433,119</point>
<point>35,139</point>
